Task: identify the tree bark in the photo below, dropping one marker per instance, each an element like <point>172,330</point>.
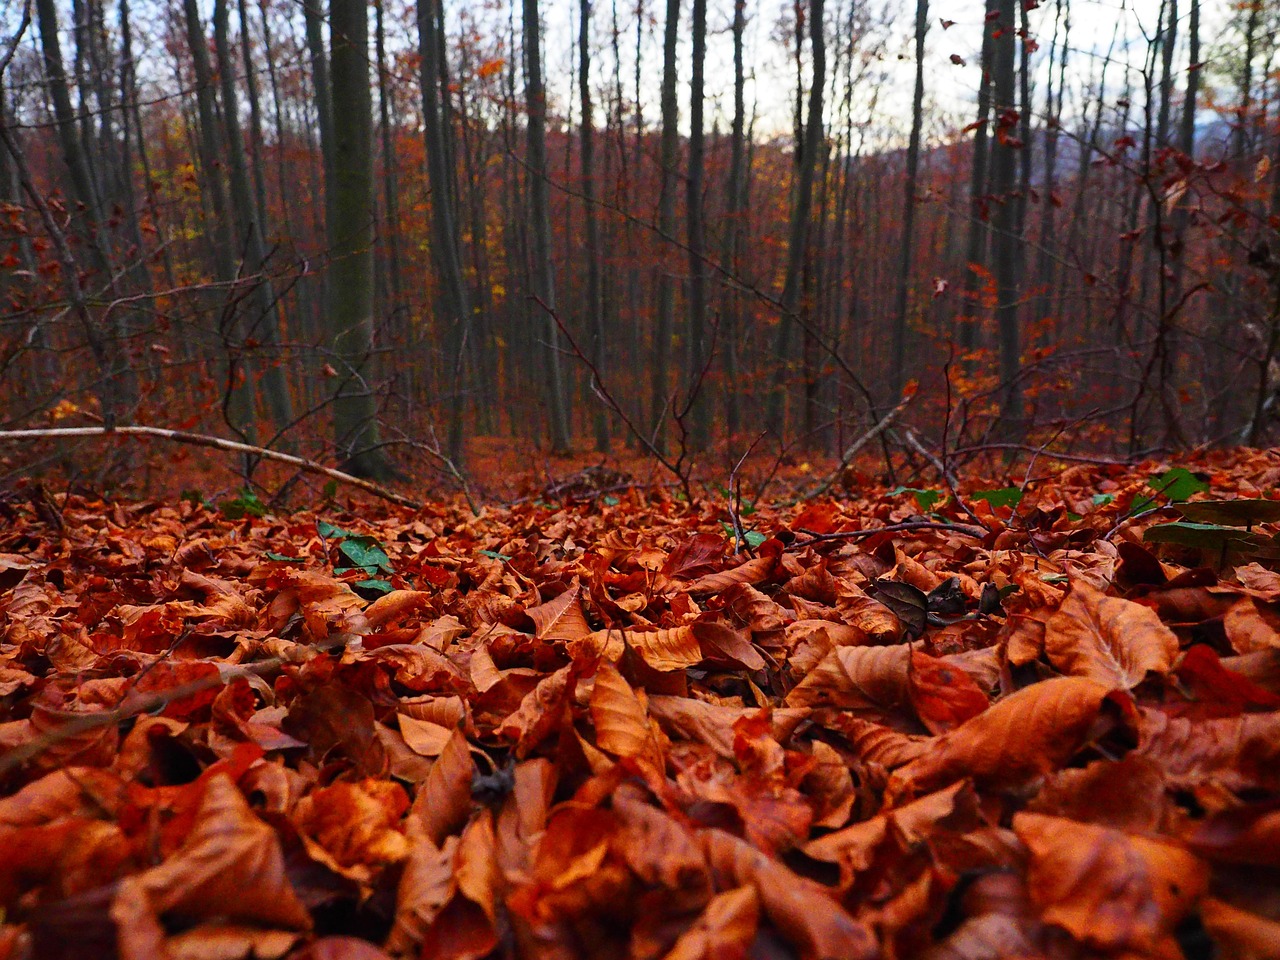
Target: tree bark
<point>667,152</point>
<point>595,298</point>
<point>543,274</point>
<point>265,325</point>
<point>454,299</point>
<point>699,408</point>
<point>897,369</point>
<point>351,237</point>
<point>1006,224</point>
<point>798,230</point>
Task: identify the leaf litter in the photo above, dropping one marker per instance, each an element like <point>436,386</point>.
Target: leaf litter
<point>610,728</point>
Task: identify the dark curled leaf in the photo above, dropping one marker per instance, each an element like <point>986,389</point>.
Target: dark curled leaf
<point>947,598</point>
<point>909,604</point>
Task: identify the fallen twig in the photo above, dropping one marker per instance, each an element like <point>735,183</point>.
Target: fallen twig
<point>853,448</point>
<point>216,443</point>
<point>963,529</point>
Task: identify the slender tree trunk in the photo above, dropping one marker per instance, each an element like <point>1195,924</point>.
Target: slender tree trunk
<point>1006,224</point>
<point>1187,145</point>
<point>239,387</point>
<point>978,234</point>
<point>700,410</point>
<point>595,298</point>
<point>1046,266</point>
<point>897,369</point>
<point>798,230</point>
<point>543,275</point>
<point>351,237</point>
<point>265,326</point>
<point>731,252</point>
<point>454,299</point>
<point>253,96</point>
<point>666,223</point>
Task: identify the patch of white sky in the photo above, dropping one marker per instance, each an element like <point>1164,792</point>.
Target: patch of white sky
<point>882,98</point>
<point>882,41</point>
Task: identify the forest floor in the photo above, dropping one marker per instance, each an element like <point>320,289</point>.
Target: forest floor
<point>1036,716</point>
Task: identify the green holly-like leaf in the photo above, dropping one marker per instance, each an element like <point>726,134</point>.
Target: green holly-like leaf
<point>1235,513</point>
<point>372,589</point>
<point>1004,497</point>
<point>365,552</point>
<point>246,504</point>
<point>926,500</point>
<point>494,555</point>
<point>328,531</point>
<point>1174,485</point>
<point>281,558</point>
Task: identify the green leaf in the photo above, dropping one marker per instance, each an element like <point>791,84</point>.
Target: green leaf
<point>1102,499</point>
<point>328,531</point>
<point>747,509</point>
<point>1174,485</point>
<point>1202,536</point>
<point>1055,578</point>
<point>1004,497</point>
<point>925,499</point>
<point>494,555</point>
<point>195,497</point>
<point>754,538</point>
<point>246,504</point>
<point>281,558</point>
<point>1236,513</point>
<point>365,552</point>
<point>330,489</point>
<point>372,589</point>
<point>610,500</point>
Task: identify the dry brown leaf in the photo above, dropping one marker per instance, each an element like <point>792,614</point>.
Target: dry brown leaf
<point>1016,740</point>
<point>725,931</point>
<point>870,682</point>
<point>666,649</point>
<point>1239,934</point>
<point>443,802</point>
<point>230,867</point>
<point>1109,889</point>
<point>1251,626</point>
<point>802,910</point>
<point>1239,752</point>
<point>620,720</point>
<point>1113,641</point>
<point>560,618</point>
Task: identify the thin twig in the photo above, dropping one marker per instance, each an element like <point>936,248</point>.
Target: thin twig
<point>853,448</point>
<point>963,529</point>
<point>216,443</point>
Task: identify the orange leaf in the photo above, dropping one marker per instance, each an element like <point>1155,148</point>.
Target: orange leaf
<point>944,696</point>
<point>1109,889</point>
<point>1107,639</point>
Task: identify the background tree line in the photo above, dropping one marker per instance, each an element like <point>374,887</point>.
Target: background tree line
<point>345,228</point>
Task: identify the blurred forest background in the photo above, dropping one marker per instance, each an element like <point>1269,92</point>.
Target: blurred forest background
<point>370,234</point>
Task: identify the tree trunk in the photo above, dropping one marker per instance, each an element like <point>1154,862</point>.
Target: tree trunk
<point>699,409</point>
<point>265,325</point>
<point>731,251</point>
<point>798,231</point>
<point>1006,224</point>
<point>978,234</point>
<point>897,369</point>
<point>595,298</point>
<point>454,299</point>
<point>543,275</point>
<point>666,224</point>
<point>351,236</point>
